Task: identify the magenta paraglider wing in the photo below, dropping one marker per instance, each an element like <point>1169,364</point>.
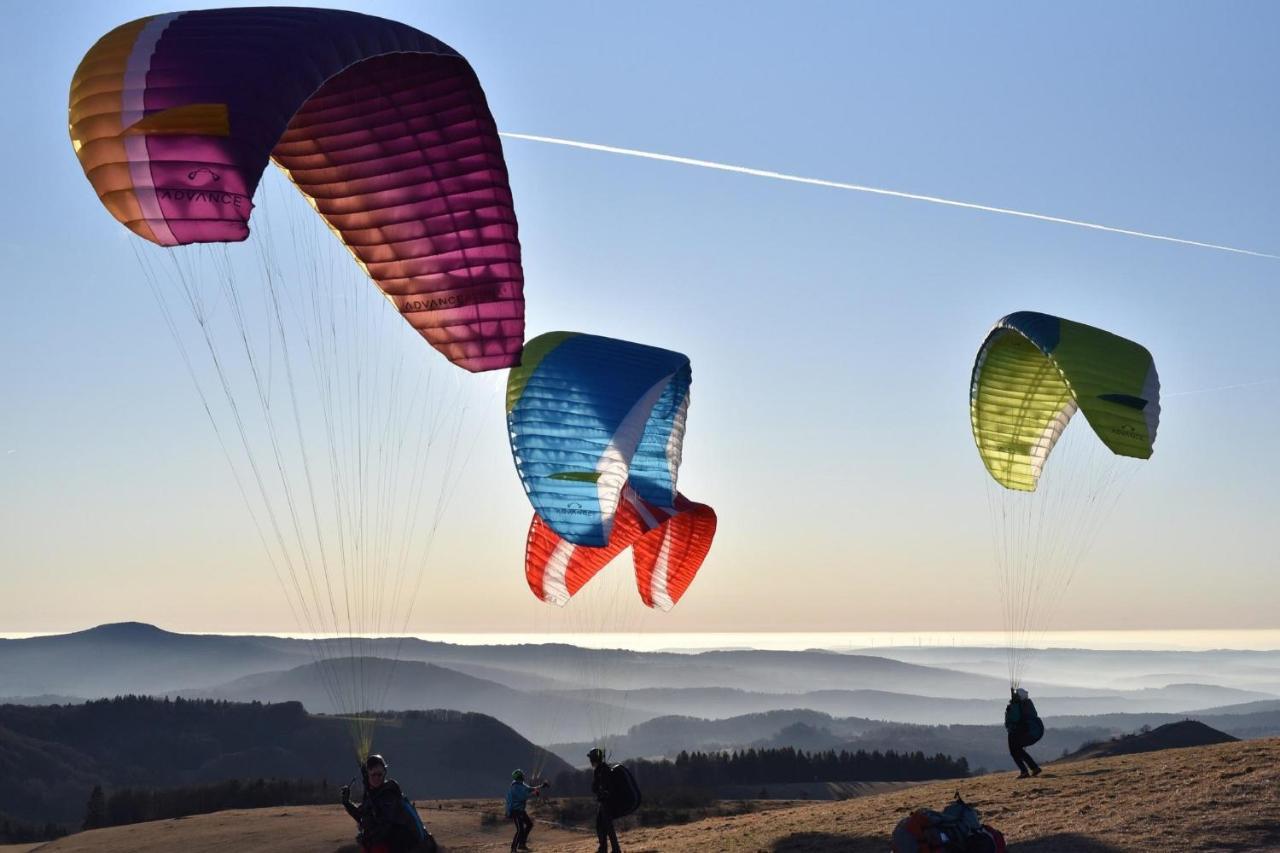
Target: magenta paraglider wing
<point>384,128</point>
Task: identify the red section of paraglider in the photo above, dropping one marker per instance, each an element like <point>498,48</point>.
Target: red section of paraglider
<point>668,546</point>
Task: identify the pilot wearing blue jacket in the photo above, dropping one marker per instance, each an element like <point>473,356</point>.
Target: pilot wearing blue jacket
<point>517,799</point>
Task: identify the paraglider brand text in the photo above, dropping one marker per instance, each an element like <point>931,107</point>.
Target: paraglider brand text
<point>211,196</point>
<point>455,300</point>
<point>473,296</point>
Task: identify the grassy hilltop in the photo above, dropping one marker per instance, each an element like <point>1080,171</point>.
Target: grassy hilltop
<point>1222,797</point>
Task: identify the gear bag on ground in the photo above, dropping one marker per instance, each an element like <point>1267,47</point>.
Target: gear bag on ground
<point>956,829</point>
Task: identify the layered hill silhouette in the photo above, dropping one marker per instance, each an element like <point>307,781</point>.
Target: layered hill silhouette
<point>1251,671</point>
<point>1228,799</point>
<point>132,658</point>
<point>405,685</point>
<point>51,757</point>
<point>982,745</point>
<point>558,715</point>
<point>1179,735</point>
<point>653,704</point>
<point>903,707</point>
<point>135,658</point>
<point>1243,724</point>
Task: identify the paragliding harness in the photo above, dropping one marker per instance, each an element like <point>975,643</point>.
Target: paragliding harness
<point>956,829</point>
<point>1021,719</point>
<point>406,815</point>
<point>624,793</point>
<point>426,843</point>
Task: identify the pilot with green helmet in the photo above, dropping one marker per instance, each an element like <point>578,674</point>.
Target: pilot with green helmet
<point>517,800</point>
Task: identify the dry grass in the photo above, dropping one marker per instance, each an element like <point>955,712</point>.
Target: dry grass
<point>1214,798</point>
<point>1224,797</point>
<point>294,829</point>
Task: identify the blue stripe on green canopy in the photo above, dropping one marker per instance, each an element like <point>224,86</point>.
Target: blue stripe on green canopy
<point>1032,374</point>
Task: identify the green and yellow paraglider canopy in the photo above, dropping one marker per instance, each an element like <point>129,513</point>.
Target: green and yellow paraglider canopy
<point>1034,371</point>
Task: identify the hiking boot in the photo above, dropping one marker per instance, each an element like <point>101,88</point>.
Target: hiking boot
<point>1024,775</point>
<point>1035,771</point>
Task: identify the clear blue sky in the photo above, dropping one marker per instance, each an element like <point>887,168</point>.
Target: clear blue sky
<point>831,333</point>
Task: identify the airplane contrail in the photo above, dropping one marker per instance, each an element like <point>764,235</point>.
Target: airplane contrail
<point>1221,388</point>
<point>859,188</point>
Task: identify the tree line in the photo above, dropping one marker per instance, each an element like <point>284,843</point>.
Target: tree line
<point>776,766</point>
<point>14,831</point>
<point>135,805</point>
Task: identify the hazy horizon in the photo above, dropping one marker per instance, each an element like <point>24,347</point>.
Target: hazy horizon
<point>841,641</point>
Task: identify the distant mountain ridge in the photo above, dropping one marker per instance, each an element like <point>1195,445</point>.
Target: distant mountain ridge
<point>407,685</point>
<point>658,703</point>
<point>1110,668</point>
<point>982,745</point>
<point>138,658</point>
<point>131,657</point>
<point>569,695</point>
<point>719,702</point>
<point>1179,735</point>
<point>51,757</point>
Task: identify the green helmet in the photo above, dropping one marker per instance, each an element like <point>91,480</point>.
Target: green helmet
<point>596,755</point>
<point>517,775</point>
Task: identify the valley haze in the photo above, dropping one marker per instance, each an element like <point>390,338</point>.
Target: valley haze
<point>563,696</point>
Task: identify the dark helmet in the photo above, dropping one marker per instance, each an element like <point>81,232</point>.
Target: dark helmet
<point>596,755</point>
<point>517,775</point>
<point>375,760</point>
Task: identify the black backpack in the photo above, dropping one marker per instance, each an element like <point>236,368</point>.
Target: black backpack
<point>624,793</point>
<point>1032,725</point>
<point>1034,731</point>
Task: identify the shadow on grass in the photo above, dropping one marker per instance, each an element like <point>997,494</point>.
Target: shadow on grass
<point>1062,842</point>
<point>827,842</point>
